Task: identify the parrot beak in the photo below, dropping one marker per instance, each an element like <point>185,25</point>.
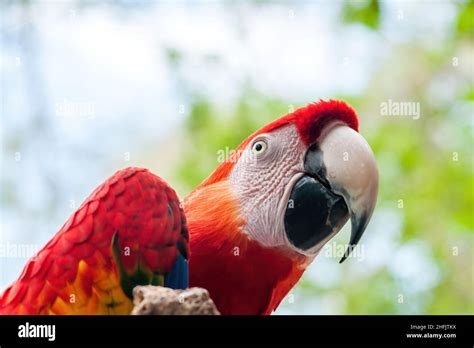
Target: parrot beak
<point>340,180</point>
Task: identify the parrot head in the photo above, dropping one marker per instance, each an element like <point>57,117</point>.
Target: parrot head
<point>286,191</point>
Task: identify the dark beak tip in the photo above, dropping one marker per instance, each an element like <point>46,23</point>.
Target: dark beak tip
<point>359,225</point>
<point>347,253</point>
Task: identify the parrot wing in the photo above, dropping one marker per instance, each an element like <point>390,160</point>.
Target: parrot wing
<point>131,230</point>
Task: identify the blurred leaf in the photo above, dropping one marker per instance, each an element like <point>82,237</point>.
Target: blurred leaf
<point>173,56</point>
<point>365,12</point>
<point>465,20</point>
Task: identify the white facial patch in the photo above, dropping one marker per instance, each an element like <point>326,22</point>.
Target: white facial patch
<point>260,178</point>
<point>272,163</point>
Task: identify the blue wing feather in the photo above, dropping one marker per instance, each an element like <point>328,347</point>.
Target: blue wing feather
<point>178,278</point>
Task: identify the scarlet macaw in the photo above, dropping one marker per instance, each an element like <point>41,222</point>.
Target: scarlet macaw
<point>254,224</point>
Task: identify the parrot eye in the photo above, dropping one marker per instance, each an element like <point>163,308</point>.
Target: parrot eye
<point>259,147</point>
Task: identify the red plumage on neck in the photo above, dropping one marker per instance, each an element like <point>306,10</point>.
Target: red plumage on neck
<point>241,276</point>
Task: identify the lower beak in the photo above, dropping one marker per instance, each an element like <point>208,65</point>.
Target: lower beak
<point>331,190</point>
<point>313,213</point>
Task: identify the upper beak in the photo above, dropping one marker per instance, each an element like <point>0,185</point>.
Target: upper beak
<point>341,180</point>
